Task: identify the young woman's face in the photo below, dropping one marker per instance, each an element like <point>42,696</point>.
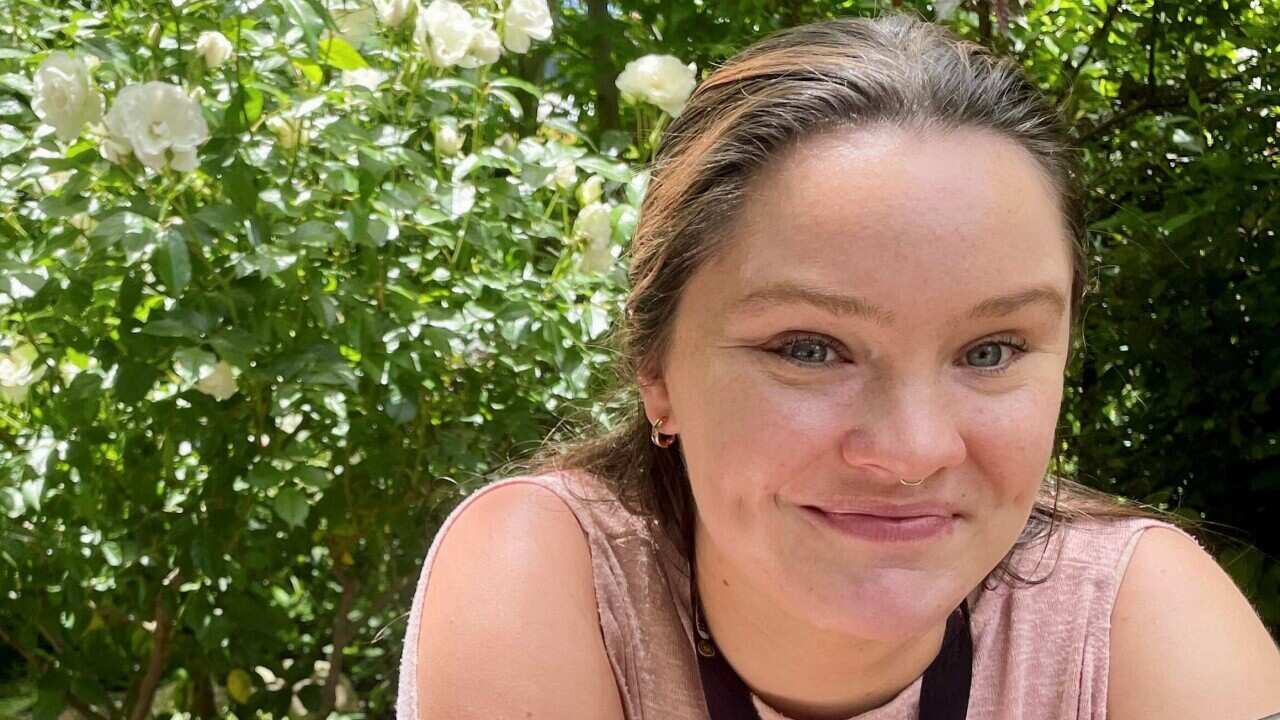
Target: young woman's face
<point>890,306</point>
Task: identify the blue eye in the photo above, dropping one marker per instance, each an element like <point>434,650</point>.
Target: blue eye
<point>813,351</point>
<point>986,355</point>
<point>990,348</point>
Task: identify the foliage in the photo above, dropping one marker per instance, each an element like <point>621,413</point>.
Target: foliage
<point>240,399</point>
<point>393,315</point>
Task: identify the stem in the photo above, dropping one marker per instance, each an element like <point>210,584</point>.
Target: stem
<point>656,134</point>
<point>177,27</point>
<point>480,94</point>
<point>551,205</point>
<point>462,237</point>
<point>155,665</point>
<point>343,634</point>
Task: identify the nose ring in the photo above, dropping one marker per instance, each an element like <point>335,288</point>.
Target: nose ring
<point>911,484</point>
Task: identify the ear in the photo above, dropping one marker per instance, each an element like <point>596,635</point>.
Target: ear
<point>656,398</point>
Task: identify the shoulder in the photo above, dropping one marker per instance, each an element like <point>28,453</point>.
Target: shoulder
<point>511,585</point>
<point>1184,641</point>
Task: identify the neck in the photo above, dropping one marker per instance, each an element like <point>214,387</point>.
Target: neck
<point>804,672</point>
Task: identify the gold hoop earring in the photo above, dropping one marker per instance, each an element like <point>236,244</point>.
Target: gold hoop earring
<point>914,484</point>
<point>658,438</point>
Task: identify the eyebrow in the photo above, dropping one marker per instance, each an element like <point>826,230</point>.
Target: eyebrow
<point>791,293</point>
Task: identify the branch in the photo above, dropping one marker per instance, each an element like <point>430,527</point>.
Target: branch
<point>606,90</point>
<point>82,708</point>
<point>38,665</point>
<point>984,21</point>
<point>1169,100</point>
<point>32,660</point>
<point>155,666</point>
<point>1151,49</point>
<point>343,633</point>
<point>1071,72</point>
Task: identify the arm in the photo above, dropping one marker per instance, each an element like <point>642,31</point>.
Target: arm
<point>510,627</point>
<point>1184,641</point>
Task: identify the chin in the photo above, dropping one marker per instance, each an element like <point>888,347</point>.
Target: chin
<point>890,605</point>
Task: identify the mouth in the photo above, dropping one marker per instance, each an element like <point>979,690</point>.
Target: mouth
<point>890,525</point>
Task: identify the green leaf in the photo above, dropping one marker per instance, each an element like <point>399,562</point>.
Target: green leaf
<point>265,476</point>
<point>172,262</point>
<point>314,477</point>
<point>20,281</point>
<point>306,18</point>
<point>336,52</point>
<point>448,83</point>
<point>11,140</point>
<point>310,69</point>
<point>514,82</point>
<point>636,188</point>
<point>241,187</point>
<point>401,408</point>
<point>615,171</point>
<point>511,101</point>
<point>292,507</point>
<point>316,234</point>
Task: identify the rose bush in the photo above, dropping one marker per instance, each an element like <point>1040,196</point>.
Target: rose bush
<point>296,272</point>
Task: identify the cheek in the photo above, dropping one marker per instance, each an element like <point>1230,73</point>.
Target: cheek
<point>1012,439</point>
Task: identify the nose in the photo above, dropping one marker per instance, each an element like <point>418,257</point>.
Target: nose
<point>907,431</point>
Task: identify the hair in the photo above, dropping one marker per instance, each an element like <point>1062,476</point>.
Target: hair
<point>795,84</point>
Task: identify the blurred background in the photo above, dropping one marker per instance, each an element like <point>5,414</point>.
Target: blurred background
<point>282,280</point>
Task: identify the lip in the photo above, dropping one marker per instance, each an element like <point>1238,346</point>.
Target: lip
<point>896,524</point>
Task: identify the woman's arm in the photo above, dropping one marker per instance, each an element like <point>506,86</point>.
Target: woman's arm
<point>1184,641</point>
<point>510,627</point>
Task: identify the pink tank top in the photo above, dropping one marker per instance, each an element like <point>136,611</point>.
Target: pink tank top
<point>1039,651</point>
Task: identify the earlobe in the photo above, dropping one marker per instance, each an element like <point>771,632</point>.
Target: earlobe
<point>656,399</point>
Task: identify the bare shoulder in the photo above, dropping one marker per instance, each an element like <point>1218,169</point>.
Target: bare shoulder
<point>509,620</point>
<point>1185,643</point>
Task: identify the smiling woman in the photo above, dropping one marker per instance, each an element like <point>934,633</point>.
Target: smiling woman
<point>854,286</point>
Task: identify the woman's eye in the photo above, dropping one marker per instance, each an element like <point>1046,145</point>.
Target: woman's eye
<point>807,351</point>
<point>990,357</point>
<point>986,357</point>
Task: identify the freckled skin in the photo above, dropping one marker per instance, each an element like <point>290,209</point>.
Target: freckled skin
<point>924,225</point>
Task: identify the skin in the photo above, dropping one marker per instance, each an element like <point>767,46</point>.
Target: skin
<point>925,225</point>
<point>821,625</point>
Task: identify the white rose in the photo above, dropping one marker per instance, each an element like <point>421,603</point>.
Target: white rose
<point>447,29</point>
<point>393,13</point>
<point>154,120</point>
<point>288,132</point>
<point>64,97</point>
<point>220,382</point>
<point>597,258</point>
<point>214,47</point>
<point>591,190</point>
<point>355,26</point>
<point>448,140</point>
<point>485,47</point>
<point>594,223</point>
<point>18,372</point>
<point>523,20</point>
<point>566,174</point>
<point>659,79</point>
<point>506,142</point>
<point>363,77</point>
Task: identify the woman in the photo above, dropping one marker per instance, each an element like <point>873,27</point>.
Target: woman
<point>854,283</point>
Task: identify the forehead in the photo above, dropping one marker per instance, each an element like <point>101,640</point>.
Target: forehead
<point>899,216</point>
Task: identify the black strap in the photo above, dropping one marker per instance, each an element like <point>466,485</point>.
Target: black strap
<point>944,692</point>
